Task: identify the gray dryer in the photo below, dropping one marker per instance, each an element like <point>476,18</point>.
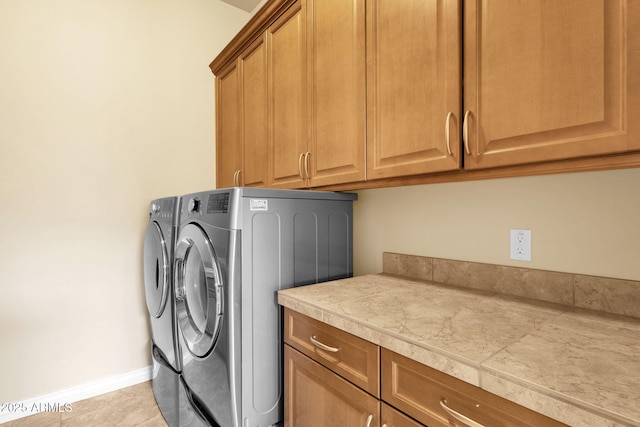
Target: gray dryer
<point>235,249</point>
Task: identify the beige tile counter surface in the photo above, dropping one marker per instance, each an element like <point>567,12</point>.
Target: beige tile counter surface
<point>574,365</point>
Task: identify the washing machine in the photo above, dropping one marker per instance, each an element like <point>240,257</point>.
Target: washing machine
<point>159,244</point>
<point>235,249</point>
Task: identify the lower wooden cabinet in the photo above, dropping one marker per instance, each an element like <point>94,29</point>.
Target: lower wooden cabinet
<point>331,379</point>
<point>354,359</point>
<point>391,417</point>
<point>438,400</point>
<point>317,397</point>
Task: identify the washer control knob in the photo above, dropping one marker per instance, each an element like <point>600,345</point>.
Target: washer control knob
<point>194,205</point>
<point>155,208</point>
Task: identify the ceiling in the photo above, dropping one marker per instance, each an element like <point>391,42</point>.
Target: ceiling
<point>247,5</point>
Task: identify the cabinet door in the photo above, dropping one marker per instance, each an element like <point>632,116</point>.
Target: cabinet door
<point>549,80</point>
<point>337,93</point>
<point>287,94</point>
<point>228,132</point>
<point>253,63</point>
<point>413,79</point>
<point>391,418</point>
<point>316,397</point>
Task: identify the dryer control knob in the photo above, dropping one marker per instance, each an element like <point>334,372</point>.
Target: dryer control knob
<point>155,208</point>
<point>194,205</point>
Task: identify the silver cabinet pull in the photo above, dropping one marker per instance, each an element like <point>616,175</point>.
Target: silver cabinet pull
<point>236,178</point>
<point>306,164</point>
<point>458,416</point>
<point>317,343</point>
<point>447,133</point>
<point>300,165</point>
<point>465,131</point>
<point>369,419</point>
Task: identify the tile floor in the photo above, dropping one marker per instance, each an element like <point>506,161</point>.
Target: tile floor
<point>131,406</point>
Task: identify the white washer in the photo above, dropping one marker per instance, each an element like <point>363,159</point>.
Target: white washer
<point>236,248</point>
<point>159,245</point>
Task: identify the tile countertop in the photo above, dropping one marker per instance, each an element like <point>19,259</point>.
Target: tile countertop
<point>576,366</point>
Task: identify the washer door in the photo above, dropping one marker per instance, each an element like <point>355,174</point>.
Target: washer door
<point>198,290</point>
<point>156,270</point>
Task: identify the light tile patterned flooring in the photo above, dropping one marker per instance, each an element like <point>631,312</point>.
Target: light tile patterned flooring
<point>131,406</point>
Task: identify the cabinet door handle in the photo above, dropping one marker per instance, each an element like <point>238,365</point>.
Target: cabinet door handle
<point>369,419</point>
<point>447,132</point>
<point>306,164</point>
<point>465,131</point>
<point>236,178</point>
<point>300,165</point>
<point>317,343</point>
<point>458,416</point>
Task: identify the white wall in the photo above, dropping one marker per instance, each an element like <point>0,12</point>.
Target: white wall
<point>586,223</point>
<point>104,105</point>
<point>98,97</point>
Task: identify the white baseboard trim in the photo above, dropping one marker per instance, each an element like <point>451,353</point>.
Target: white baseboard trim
<point>60,401</point>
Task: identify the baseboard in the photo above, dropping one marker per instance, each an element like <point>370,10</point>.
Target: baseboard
<point>61,401</point>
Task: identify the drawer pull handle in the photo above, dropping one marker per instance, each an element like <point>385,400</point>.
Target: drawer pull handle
<point>369,419</point>
<point>465,132</point>
<point>447,132</point>
<point>458,416</point>
<point>317,343</point>
<point>306,165</point>
<point>300,165</point>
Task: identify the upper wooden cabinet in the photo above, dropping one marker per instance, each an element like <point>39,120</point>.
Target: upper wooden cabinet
<point>241,106</point>
<point>253,71</point>
<point>287,51</point>
<point>317,88</point>
<point>301,118</point>
<point>337,91</point>
<point>228,126</point>
<point>348,94</point>
<point>414,90</point>
<point>550,80</point>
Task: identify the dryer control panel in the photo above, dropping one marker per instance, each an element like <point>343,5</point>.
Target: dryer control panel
<point>218,203</point>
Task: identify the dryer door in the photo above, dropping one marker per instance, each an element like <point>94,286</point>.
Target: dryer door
<point>156,270</point>
<point>198,290</point>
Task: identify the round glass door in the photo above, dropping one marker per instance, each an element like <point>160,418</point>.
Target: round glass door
<point>156,270</point>
<point>198,290</point>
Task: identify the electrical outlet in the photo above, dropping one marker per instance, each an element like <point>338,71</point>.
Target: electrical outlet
<point>521,245</point>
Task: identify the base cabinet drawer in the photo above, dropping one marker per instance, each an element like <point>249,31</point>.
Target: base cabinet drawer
<point>333,378</point>
<point>316,397</point>
<point>440,400</point>
<point>351,357</point>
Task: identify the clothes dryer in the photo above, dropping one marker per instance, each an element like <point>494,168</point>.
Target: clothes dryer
<point>236,248</point>
<point>159,244</point>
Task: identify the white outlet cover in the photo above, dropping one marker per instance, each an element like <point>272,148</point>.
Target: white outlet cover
<point>521,245</point>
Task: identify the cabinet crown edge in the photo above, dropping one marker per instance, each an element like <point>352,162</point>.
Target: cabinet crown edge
<point>257,24</point>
